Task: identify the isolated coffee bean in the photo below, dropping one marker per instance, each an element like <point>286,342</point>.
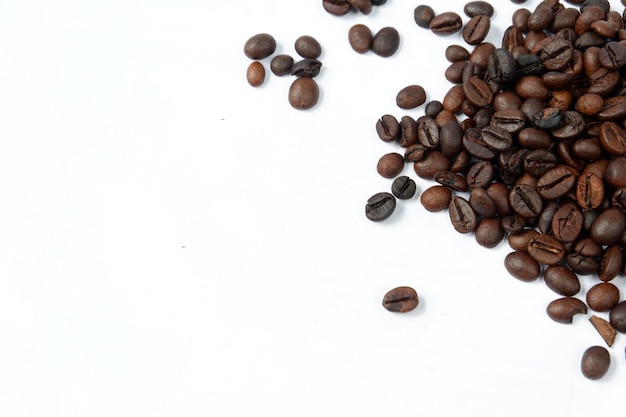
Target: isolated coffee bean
<point>304,93</point>
<point>562,310</point>
<point>521,266</point>
<point>423,15</point>
<point>603,296</point>
<point>617,317</point>
<point>411,96</point>
<point>380,206</point>
<point>446,23</point>
<point>390,165</point>
<point>386,42</point>
<point>436,198</point>
<point>259,46</point>
<point>561,280</point>
<point>308,47</point>
<point>403,187</point>
<point>255,74</point>
<point>462,216</point>
<point>401,300</point>
<point>360,38</point>
<point>281,64</point>
<point>595,362</point>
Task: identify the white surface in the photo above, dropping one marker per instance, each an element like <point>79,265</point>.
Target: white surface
<point>174,242</point>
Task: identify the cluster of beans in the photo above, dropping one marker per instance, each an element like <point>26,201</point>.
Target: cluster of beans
<point>529,146</point>
<point>304,91</point>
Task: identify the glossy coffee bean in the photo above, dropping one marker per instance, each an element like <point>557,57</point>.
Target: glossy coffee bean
<point>611,263</point>
<point>423,15</point>
<point>546,249</point>
<point>281,64</point>
<point>462,216</point>
<point>308,47</point>
<point>562,310</point>
<point>403,188</point>
<point>603,296</point>
<point>411,96</point>
<point>360,38</point>
<point>363,6</point>
<point>255,74</point>
<point>388,128</point>
<point>386,42</point>
<point>336,7</point>
<point>489,232</point>
<point>617,317</point>
<point>474,8</point>
<point>476,29</point>
<point>401,300</point>
<point>521,266</point>
<point>259,46</point>
<point>306,67</point>
<point>446,23</point>
<point>303,93</point>
<point>436,198</point>
<point>595,362</point>
<point>526,201</point>
<point>456,53</point>
<point>608,227</point>
<point>561,280</point>
<point>380,206</point>
<point>390,165</point>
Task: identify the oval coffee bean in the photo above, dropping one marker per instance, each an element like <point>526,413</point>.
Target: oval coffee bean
<point>380,206</point>
<point>612,138</point>
<point>567,222</point>
<point>561,280</point>
<point>255,74</point>
<point>403,187</point>
<point>546,249</point>
<point>386,42</point>
<point>411,97</point>
<point>617,317</point>
<point>303,93</point>
<point>603,296</point>
<point>360,38</point>
<point>611,263</point>
<point>608,227</point>
<point>589,191</point>
<point>308,47</point>
<point>526,201</point>
<point>477,92</point>
<point>401,300</point>
<point>436,198</point>
<point>281,65</point>
<point>462,216</point>
<point>476,29</point>
<point>259,46</point>
<point>521,266</point>
<point>388,128</point>
<point>489,232</point>
<point>306,67</point>
<point>423,15</point>
<point>562,310</point>
<point>474,8</point>
<point>336,7</point>
<point>390,165</point>
<point>556,182</point>
<point>446,23</point>
<point>595,362</point>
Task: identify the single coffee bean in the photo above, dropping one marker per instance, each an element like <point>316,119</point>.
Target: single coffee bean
<point>433,108</point>
<point>612,138</point>
<point>477,91</point>
<point>476,29</point>
<point>474,8</point>
<point>436,198</point>
<point>540,18</point>
<point>595,362</point>
<point>489,232</point>
<point>520,18</point>
<point>519,241</point>
<point>532,86</point>
<point>567,222</point>
<point>255,74</point>
<point>308,47</point>
<point>588,149</point>
<point>544,221</point>
<point>363,6</point>
<point>259,46</point>
<point>380,206</point>
<point>281,64</point>
<point>462,216</point>
<point>611,263</point>
<point>615,172</point>
<point>603,296</point>
<point>589,191</point>
<point>408,131</point>
<point>360,38</point>
<point>456,53</point>
<point>511,120</point>
<point>386,42</point>
<point>526,201</point>
<point>388,128</point>
<point>521,266</point>
<point>546,250</point>
<point>556,182</point>
<point>548,118</point>
<point>451,180</point>
<point>613,55</point>
<point>561,280</point>
<point>513,223</point>
<point>589,104</point>
<point>401,300</point>
<point>414,152</point>
<point>431,163</point>
<point>534,138</point>
<point>499,194</point>
<point>446,23</point>
<point>584,260</point>
<point>496,138</point>
<point>403,187</point>
<point>617,317</point>
<point>303,93</point>
<point>572,124</point>
<point>411,97</point>
<point>390,165</point>
<point>337,7</point>
<point>562,310</point>
<point>423,15</point>
<point>480,174</point>
<point>608,227</point>
<point>306,67</point>
<point>556,54</point>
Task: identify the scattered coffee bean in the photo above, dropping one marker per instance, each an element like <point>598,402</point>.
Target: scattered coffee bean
<point>423,15</point>
<point>303,93</point>
<point>403,188</point>
<point>390,165</point>
<point>411,96</point>
<point>386,42</point>
<point>260,46</point>
<point>308,47</point>
<point>255,74</point>
<point>562,310</point>
<point>595,362</point>
<point>360,38</point>
<point>380,206</point>
<point>401,300</point>
<point>281,64</point>
<point>436,198</point>
<point>446,23</point>
<point>605,329</point>
<point>521,266</point>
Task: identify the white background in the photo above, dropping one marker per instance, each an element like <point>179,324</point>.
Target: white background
<point>174,242</point>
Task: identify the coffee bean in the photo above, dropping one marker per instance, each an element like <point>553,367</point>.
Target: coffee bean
<point>446,23</point>
<point>477,91</point>
<point>556,182</point>
<point>595,362</point>
<point>414,153</point>
<point>408,131</point>
<point>613,55</point>
<point>303,93</point>
<point>380,206</point>
<point>308,47</point>
<point>456,53</point>
<point>363,6</point>
<point>525,201</point>
<point>562,310</point>
<point>476,29</point>
<point>388,128</point>
<point>617,317</point>
<point>561,280</point>
<point>520,240</point>
<point>589,191</point>
<point>611,263</point>
<point>281,65</point>
<point>608,227</point>
<point>605,329</point>
<point>423,15</point>
<point>567,222</point>
<point>612,138</point>
<point>337,7</point>
<point>462,216</point>
<point>436,198</point>
<point>431,163</point>
<point>390,165</point>
<point>386,42</point>
<point>255,74</point>
<point>496,138</point>
<point>401,300</point>
<point>306,67</point>
<point>546,250</point>
<point>451,180</point>
<point>521,266</point>
<point>411,97</point>
<point>489,232</point>
<point>548,118</point>
<point>603,296</point>
<point>481,202</point>
<point>480,174</point>
<point>259,46</point>
<point>403,187</point>
<point>360,38</point>
<point>474,8</point>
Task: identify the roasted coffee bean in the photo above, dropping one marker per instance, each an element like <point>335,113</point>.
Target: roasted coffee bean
<point>613,55</point>
<point>453,100</point>
<point>617,317</point>
<point>433,108</point>
<point>608,227</point>
<point>534,138</point>
<point>595,362</point>
<point>360,38</point>
<point>306,67</point>
<point>477,91</point>
<point>255,74</point>
<point>507,100</point>
<point>513,223</point>
<point>526,201</point>
<point>520,18</point>
<point>474,143</point>
<point>401,300</point>
<point>423,15</point>
<point>561,280</point>
<point>461,162</point>
<point>572,124</point>
<point>403,187</point>
<point>474,8</point>
<point>281,64</point>
<point>436,198</point>
<point>539,161</point>
<point>388,128</point>
<point>380,206</point>
<point>556,54</point>
<point>363,6</point>
<point>386,42</point>
<point>603,296</point>
<point>615,172</point>
<point>337,7</point>
<point>308,47</point>
<point>584,259</point>
<point>454,72</point>
<point>476,29</point>
<point>489,232</point>
<point>556,182</point>
<point>548,118</point>
<point>519,240</point>
<point>446,23</point>
<point>544,221</point>
<point>390,165</point>
<point>556,80</point>
<point>562,310</point>
<point>587,149</point>
<point>480,174</point>
<point>521,266</point>
<point>612,138</point>
<point>431,163</point>
<point>546,250</point>
<point>611,263</point>
<point>303,93</point>
<point>511,120</point>
<point>259,46</point>
<point>451,180</point>
<point>450,138</point>
<point>408,131</point>
<point>540,18</point>
<point>411,97</point>
<point>414,152</point>
<point>618,199</point>
<point>456,53</point>
<point>532,86</point>
<point>589,191</point>
<point>513,41</point>
<point>566,155</point>
<point>481,202</point>
<point>499,193</point>
<point>462,216</point>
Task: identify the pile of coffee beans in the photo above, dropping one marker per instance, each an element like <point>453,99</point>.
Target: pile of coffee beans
<point>527,146</point>
<point>304,91</point>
